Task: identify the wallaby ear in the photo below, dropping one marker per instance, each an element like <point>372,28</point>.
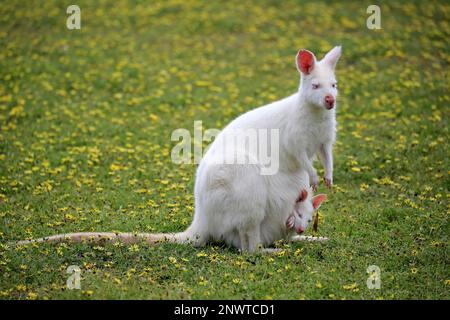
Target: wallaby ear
<point>290,222</point>
<point>302,196</point>
<point>305,61</point>
<point>317,200</point>
<point>332,57</point>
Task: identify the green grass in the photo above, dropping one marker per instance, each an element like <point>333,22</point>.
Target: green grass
<point>86,118</point>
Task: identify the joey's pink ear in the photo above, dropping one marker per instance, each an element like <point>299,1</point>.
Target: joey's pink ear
<point>302,196</point>
<point>305,61</point>
<point>317,200</point>
<point>290,222</point>
<point>332,57</point>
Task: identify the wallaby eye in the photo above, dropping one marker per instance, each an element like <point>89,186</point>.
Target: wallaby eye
<point>315,86</point>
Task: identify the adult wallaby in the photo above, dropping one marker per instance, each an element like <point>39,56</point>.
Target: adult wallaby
<point>239,205</point>
<point>234,202</point>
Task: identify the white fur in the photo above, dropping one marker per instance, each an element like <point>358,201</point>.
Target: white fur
<point>238,205</point>
<point>234,203</point>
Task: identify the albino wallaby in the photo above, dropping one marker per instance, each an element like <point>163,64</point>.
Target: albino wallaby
<point>235,203</point>
<point>301,218</point>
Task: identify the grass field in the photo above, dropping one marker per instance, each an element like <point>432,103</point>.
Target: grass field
<point>86,118</point>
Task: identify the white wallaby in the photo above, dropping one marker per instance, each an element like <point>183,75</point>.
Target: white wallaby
<point>234,202</point>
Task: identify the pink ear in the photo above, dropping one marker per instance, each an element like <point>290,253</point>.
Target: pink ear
<point>290,222</point>
<point>305,61</point>
<point>317,200</point>
<point>302,196</point>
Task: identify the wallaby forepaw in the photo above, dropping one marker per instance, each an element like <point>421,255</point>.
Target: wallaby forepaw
<point>328,182</point>
<point>313,180</point>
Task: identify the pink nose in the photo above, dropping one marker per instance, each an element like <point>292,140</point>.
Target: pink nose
<point>329,101</point>
<point>299,230</point>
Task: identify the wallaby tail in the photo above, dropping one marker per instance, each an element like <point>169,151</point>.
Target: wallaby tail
<point>109,237</point>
